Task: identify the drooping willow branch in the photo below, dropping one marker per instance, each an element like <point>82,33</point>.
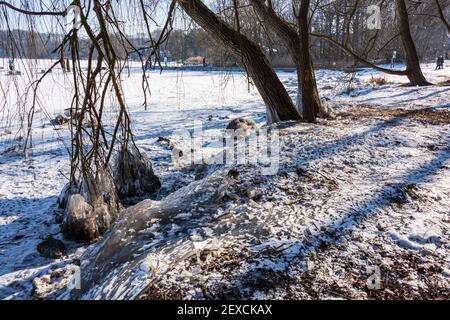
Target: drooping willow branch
<point>358,57</point>
<point>33,13</point>
<point>92,146</point>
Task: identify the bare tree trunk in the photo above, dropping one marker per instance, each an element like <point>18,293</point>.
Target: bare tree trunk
<point>414,72</point>
<point>274,94</point>
<point>311,100</point>
<point>298,47</point>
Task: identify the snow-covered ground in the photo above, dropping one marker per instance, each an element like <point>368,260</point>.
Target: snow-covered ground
<point>368,188</point>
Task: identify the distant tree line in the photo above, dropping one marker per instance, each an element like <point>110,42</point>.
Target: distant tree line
<point>183,44</point>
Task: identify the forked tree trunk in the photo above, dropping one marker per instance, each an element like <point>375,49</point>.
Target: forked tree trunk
<point>279,104</point>
<point>414,72</point>
<point>298,47</point>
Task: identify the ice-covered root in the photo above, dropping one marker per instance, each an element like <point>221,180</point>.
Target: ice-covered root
<point>86,222</point>
<point>54,280</point>
<point>90,208</point>
<point>133,174</point>
<point>107,267</point>
<point>326,110</point>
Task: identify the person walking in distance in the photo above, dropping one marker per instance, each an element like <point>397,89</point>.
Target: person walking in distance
<point>11,64</point>
<point>394,57</point>
<point>440,63</point>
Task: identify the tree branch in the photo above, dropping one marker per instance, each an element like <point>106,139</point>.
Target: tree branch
<point>33,13</point>
<point>359,58</point>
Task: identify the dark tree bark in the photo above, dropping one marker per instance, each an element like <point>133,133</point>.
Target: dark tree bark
<point>311,100</point>
<point>274,94</point>
<point>298,46</point>
<point>442,16</point>
<point>413,70</point>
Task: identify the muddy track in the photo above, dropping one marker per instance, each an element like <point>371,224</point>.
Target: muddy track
<point>427,115</point>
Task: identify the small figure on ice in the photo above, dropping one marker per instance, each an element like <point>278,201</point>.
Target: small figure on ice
<point>11,64</point>
<point>440,63</point>
<point>394,57</point>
